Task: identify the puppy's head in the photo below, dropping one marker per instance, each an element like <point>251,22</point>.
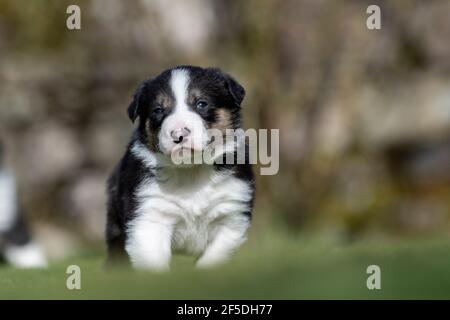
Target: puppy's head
<point>177,108</point>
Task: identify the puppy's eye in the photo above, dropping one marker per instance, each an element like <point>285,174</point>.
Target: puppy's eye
<point>157,110</point>
<point>201,105</point>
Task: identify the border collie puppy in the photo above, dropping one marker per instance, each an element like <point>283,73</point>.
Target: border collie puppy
<point>157,207</point>
<point>16,245</point>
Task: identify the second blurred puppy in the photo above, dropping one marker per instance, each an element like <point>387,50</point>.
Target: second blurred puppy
<point>16,244</point>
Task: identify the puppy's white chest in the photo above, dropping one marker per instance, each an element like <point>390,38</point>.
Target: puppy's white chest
<point>193,207</point>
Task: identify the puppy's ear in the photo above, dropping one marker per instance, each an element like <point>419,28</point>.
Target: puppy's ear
<point>134,109</point>
<point>236,90</point>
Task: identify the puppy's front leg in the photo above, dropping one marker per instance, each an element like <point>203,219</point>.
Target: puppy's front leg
<point>229,235</point>
<point>149,244</point>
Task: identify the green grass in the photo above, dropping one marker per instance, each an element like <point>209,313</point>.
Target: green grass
<point>272,267</point>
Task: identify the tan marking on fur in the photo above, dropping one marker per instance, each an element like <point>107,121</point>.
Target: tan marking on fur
<point>193,95</point>
<point>164,100</point>
<point>152,138</point>
<point>223,120</point>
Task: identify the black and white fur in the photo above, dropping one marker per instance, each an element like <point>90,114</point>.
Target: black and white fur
<point>16,244</point>
<point>155,207</point>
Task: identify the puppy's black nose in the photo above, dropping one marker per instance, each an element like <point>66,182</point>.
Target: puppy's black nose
<point>178,135</point>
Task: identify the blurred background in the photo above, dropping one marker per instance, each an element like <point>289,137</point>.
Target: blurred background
<point>364,115</point>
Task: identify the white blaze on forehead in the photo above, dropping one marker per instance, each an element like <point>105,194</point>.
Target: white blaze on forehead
<point>179,83</point>
<point>182,117</point>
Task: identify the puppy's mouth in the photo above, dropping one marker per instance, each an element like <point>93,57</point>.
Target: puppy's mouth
<point>186,146</point>
<point>185,151</point>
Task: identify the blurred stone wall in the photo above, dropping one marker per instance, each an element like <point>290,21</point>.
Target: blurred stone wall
<point>364,116</point>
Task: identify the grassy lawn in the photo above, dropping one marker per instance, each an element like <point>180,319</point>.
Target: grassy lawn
<point>272,267</point>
